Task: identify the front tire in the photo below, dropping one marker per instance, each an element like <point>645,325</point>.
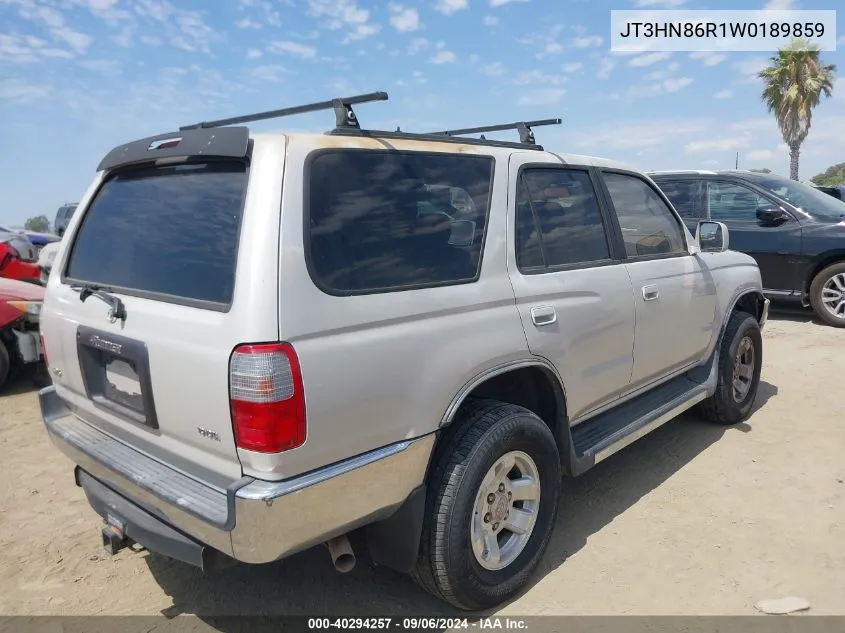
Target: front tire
<point>740,363</point>
<point>827,295</point>
<point>493,498</point>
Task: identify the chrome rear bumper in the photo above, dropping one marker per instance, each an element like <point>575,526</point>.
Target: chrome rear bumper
<point>252,521</point>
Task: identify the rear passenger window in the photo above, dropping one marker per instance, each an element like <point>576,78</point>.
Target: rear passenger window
<point>682,194</point>
<point>558,221</point>
<point>648,225</point>
<point>386,220</point>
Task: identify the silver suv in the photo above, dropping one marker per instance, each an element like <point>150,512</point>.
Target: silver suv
<point>262,342</point>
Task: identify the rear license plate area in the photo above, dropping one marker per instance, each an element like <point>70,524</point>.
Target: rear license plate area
<point>116,373</point>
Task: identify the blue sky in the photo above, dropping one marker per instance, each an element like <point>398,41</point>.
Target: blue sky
<point>80,76</point>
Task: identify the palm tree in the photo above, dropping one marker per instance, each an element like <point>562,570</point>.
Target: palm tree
<point>794,84</point>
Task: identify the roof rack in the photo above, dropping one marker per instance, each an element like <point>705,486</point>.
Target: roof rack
<point>344,115</point>
<point>526,134</point>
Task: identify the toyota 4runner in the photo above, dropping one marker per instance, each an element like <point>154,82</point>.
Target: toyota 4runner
<point>261,342</point>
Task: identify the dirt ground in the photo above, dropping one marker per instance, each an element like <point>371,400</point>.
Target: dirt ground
<point>690,520</point>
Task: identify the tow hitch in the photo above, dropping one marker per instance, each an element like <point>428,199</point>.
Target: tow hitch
<point>114,536</point>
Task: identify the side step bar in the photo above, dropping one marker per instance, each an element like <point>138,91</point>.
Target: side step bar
<point>600,437</point>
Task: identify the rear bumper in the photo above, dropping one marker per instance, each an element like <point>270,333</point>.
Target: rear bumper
<point>253,521</point>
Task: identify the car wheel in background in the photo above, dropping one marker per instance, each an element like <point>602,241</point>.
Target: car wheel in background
<point>827,295</point>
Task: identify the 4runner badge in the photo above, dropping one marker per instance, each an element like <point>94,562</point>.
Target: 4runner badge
<point>208,433</point>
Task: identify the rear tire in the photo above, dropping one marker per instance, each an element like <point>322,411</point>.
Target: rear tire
<point>475,499</point>
<point>829,306</point>
<point>740,363</point>
<point>5,364</point>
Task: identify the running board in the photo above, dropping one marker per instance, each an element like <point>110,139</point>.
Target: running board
<point>600,437</point>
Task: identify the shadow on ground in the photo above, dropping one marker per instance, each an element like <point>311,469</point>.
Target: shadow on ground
<point>26,380</point>
<point>307,584</point>
<point>796,314</point>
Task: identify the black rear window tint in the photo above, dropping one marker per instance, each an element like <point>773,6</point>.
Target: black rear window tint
<point>388,220</point>
<point>171,231</point>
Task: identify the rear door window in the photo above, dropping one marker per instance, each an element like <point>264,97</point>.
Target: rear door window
<point>169,233</point>
<point>380,221</point>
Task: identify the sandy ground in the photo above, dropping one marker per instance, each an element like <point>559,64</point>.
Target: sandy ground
<point>690,520</point>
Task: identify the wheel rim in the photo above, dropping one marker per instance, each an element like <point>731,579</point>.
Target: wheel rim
<point>743,369</point>
<point>833,295</point>
<point>505,510</point>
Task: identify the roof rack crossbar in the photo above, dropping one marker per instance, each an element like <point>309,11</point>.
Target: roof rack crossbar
<point>344,115</point>
<point>526,135</point>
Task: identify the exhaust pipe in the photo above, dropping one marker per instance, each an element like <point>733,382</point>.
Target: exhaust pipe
<point>343,558</point>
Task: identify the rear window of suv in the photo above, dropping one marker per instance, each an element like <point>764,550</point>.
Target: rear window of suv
<point>380,221</point>
<point>169,233</point>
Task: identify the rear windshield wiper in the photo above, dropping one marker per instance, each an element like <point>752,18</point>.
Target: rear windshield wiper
<point>118,310</point>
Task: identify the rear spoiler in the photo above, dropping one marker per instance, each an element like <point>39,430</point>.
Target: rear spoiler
<point>219,142</point>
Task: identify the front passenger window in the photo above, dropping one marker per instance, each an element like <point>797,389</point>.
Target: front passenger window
<point>648,225</point>
<point>727,201</point>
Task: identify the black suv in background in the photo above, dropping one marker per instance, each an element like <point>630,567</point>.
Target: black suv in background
<point>794,231</point>
<point>63,216</point>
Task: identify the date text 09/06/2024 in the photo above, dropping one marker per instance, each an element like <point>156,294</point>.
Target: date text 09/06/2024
<point>722,29</point>
<point>411,624</point>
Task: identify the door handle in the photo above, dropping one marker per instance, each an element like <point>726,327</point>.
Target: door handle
<point>650,293</point>
<point>543,315</point>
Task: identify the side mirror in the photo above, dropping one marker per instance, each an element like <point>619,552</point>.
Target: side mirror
<point>712,237</point>
<point>772,215</point>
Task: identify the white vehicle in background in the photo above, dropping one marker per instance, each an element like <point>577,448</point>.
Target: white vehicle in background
<point>45,260</point>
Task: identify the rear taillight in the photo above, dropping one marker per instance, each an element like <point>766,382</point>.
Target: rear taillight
<point>266,397</point>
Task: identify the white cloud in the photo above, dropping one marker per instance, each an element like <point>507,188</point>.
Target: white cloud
<point>499,3</point>
<point>572,67</point>
<point>19,91</point>
<point>417,45</point>
<point>649,58</point>
<point>107,67</point>
<point>496,69</point>
<point>709,58</point>
<point>270,73</point>
<point>674,84</point>
<point>539,77</point>
<point>841,41</point>
<point>606,66</point>
<point>723,94</point>
<point>490,20</point>
<point>544,96</point>
<point>403,18</point>
<point>26,49</point>
<point>340,14</point>
<point>247,23</point>
<point>748,68</point>
<point>443,57</point>
<point>623,135</point>
<point>587,41</point>
<point>779,5</point>
<point>759,154</point>
<point>448,7</point>
<point>294,48</point>
<point>253,53</point>
<point>724,144</point>
<point>547,43</point>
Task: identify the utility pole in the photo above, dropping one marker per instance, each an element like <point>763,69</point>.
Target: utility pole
<point>737,161</point>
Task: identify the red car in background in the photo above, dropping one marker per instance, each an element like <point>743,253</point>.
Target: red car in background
<point>20,341</point>
<point>13,267</point>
